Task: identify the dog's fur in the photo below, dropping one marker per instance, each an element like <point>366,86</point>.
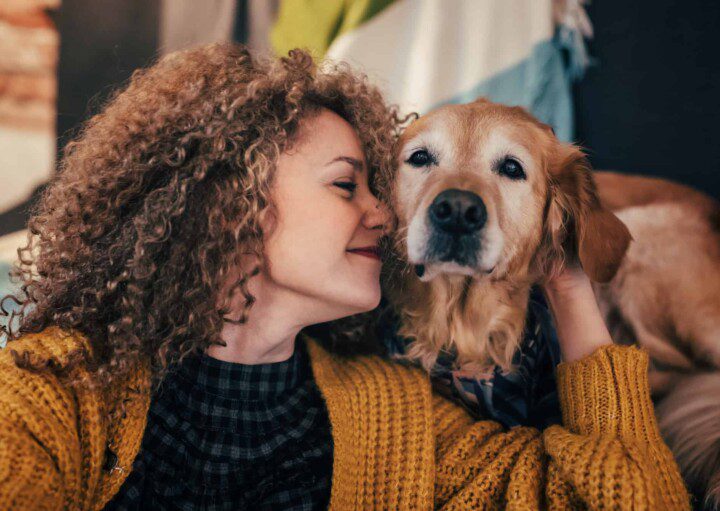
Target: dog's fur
<point>476,306</point>
<point>689,418</point>
<point>532,226</point>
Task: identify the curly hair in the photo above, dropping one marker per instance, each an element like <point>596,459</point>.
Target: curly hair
<point>162,191</point>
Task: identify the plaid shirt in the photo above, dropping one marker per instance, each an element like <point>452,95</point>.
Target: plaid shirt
<point>222,435</point>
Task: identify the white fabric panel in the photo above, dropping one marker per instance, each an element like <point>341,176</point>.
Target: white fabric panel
<point>422,52</point>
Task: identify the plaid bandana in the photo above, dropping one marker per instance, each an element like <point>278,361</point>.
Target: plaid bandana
<point>223,436</point>
<point>525,396</point>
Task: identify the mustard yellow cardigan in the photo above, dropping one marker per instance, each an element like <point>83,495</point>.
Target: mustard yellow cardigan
<point>396,444</point>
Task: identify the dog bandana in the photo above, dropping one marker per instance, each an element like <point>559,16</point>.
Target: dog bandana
<point>525,396</point>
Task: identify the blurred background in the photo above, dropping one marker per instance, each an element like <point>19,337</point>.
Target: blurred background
<point>632,82</point>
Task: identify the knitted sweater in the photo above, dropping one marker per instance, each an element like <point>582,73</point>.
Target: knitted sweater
<point>396,444</point>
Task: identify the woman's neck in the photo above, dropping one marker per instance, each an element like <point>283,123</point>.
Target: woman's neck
<point>256,342</point>
<point>246,345</point>
<point>274,321</point>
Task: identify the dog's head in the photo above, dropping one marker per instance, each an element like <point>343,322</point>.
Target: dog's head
<point>486,190</point>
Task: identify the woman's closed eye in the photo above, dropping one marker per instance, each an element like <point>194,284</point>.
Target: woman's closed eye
<point>347,185</point>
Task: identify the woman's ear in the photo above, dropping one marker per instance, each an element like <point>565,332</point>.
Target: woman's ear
<point>576,225</point>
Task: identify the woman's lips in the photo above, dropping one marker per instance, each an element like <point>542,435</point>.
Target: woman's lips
<point>372,252</point>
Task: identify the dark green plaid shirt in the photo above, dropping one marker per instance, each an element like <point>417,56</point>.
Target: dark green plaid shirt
<point>222,435</point>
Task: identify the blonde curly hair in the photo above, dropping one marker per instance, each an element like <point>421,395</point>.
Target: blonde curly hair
<point>161,192</point>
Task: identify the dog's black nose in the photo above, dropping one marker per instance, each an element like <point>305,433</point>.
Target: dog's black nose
<point>458,211</point>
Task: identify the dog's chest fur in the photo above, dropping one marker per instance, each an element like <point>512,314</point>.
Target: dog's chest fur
<point>524,394</point>
<point>481,320</point>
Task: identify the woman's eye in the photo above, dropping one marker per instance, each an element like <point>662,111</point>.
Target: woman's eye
<point>347,186</point>
<point>420,158</point>
<point>511,168</point>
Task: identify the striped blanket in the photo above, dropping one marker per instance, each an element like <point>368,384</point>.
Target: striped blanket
<point>426,53</point>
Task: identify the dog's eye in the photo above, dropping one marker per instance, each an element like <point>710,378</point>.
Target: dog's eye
<point>420,158</point>
<point>511,168</point>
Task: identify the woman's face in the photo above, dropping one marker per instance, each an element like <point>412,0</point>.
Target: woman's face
<point>324,209</point>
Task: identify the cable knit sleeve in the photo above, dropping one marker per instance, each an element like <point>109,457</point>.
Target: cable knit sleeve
<point>608,454</point>
<point>28,477</point>
<point>40,457</point>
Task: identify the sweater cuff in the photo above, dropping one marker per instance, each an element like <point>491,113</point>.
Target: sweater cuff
<point>607,392</point>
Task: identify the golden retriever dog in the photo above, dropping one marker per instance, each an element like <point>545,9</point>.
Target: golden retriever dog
<point>489,203</point>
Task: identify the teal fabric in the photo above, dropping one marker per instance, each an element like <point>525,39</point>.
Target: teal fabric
<point>5,287</point>
<point>541,83</point>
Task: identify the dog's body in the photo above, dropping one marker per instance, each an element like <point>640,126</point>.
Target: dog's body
<point>490,203</point>
<point>666,295</point>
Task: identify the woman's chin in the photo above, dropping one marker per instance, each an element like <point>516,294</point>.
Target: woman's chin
<point>371,303</point>
<point>360,301</point>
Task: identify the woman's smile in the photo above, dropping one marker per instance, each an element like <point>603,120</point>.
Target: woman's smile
<point>372,252</point>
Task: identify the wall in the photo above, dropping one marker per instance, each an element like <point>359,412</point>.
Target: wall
<point>651,104</point>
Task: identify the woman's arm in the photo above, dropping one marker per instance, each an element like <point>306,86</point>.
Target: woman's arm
<point>580,326</point>
<point>608,454</point>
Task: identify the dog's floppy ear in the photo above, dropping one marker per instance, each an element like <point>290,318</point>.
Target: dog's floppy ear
<point>576,225</point>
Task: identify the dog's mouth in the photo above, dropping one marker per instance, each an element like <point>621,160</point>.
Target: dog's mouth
<point>452,254</point>
<point>453,236</point>
<point>427,271</point>
<point>462,249</point>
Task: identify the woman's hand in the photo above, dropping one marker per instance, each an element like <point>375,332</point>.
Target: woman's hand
<point>580,326</point>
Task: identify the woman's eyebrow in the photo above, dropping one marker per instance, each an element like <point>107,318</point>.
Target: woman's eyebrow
<point>357,164</point>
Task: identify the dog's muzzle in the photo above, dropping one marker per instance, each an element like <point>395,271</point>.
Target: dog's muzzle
<point>455,218</point>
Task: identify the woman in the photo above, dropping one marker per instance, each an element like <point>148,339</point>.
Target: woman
<point>212,211</point>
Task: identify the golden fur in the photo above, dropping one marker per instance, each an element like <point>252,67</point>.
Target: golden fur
<point>554,214</point>
<point>666,294</point>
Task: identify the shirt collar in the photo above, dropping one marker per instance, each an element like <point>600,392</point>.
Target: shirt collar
<point>255,382</point>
